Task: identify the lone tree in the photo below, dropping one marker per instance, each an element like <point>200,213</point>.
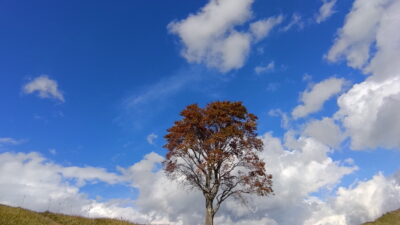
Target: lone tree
<point>214,149</point>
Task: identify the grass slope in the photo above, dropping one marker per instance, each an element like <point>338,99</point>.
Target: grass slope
<point>17,216</point>
<point>392,218</point>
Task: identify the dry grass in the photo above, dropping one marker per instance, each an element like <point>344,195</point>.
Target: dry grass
<point>392,218</point>
<point>18,216</point>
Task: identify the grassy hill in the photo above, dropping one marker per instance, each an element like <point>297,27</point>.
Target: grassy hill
<point>17,216</point>
<point>392,218</point>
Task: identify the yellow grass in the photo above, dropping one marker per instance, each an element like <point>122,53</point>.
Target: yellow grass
<point>17,216</point>
<point>392,218</point>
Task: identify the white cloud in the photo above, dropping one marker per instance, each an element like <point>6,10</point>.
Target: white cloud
<point>370,114</point>
<point>260,29</point>
<point>369,41</point>
<point>296,21</point>
<point>44,87</point>
<point>313,100</point>
<point>210,37</point>
<point>33,166</point>
<point>9,141</point>
<point>326,10</point>
<point>159,195</point>
<point>369,199</point>
<point>385,64</point>
<point>292,188</point>
<point>264,69</point>
<point>307,77</point>
<point>359,32</point>
<point>285,120</point>
<point>33,182</point>
<point>303,155</point>
<point>164,200</point>
<point>364,202</point>
<point>207,34</point>
<point>303,168</point>
<point>325,131</point>
<point>231,53</point>
<point>151,138</point>
<point>164,88</point>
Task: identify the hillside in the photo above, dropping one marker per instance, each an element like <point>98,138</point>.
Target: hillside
<point>392,218</point>
<point>17,216</point>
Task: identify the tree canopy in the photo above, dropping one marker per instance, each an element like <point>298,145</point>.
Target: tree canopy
<point>215,150</point>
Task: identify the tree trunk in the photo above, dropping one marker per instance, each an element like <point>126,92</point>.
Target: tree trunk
<point>209,213</point>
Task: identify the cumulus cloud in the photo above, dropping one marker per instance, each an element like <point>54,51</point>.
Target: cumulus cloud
<point>325,11</point>
<point>44,87</point>
<point>31,181</point>
<point>287,162</point>
<point>385,64</point>
<point>210,37</point>
<point>356,36</point>
<point>363,202</point>
<point>313,100</point>
<point>367,23</point>
<point>159,195</point>
<point>326,131</point>
<point>370,42</point>
<point>370,113</point>
<point>163,199</point>
<point>300,169</point>
<point>374,197</point>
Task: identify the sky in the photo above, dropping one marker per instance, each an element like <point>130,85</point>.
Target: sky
<point>88,89</point>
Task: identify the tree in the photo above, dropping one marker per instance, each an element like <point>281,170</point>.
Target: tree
<point>215,150</point>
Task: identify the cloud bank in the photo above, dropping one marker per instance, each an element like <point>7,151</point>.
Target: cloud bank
<point>369,110</point>
<point>301,166</point>
<point>31,181</point>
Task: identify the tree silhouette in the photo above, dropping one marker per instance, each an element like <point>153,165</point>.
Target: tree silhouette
<point>215,150</point>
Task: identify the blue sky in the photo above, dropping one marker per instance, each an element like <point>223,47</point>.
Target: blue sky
<point>95,84</point>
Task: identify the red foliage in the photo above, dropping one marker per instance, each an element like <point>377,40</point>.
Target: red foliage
<point>215,149</point>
